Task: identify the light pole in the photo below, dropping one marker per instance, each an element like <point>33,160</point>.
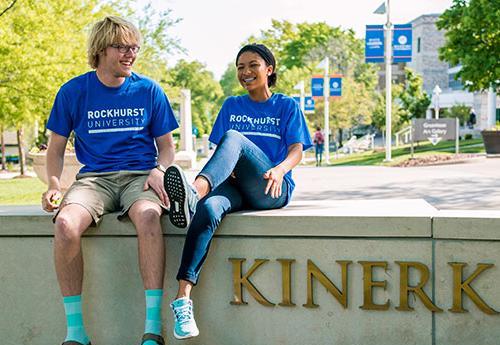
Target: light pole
<point>300,87</point>
<point>326,94</point>
<point>436,91</point>
<point>388,85</point>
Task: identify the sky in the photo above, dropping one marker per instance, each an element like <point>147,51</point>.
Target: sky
<point>212,30</point>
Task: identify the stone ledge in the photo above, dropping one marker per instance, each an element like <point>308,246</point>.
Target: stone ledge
<point>342,218</point>
<point>470,225</point>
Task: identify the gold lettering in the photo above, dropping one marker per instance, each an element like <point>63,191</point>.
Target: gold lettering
<point>405,288</point>
<point>460,285</point>
<point>369,284</point>
<point>286,282</point>
<point>314,271</point>
<point>240,280</point>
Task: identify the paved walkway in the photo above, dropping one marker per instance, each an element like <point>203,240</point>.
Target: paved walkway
<point>473,185</point>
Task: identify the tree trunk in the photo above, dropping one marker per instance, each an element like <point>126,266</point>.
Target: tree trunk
<point>340,137</point>
<point>2,145</point>
<point>22,157</point>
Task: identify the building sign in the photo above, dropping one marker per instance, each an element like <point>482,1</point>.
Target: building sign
<point>434,130</point>
<point>374,43</point>
<point>401,43</point>
<point>413,278</point>
<point>335,86</point>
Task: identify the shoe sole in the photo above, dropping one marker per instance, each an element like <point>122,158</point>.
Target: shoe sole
<point>176,187</point>
<point>186,336</point>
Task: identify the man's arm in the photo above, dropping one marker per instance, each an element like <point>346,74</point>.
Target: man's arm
<point>55,163</point>
<point>166,154</point>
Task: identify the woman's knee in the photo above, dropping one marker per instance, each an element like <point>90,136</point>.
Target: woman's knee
<point>232,135</point>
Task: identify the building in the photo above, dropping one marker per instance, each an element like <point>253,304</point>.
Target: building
<point>427,40</point>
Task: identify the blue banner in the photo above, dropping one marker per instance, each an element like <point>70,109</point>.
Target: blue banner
<point>374,43</point>
<point>317,86</point>
<point>335,86</point>
<point>401,43</point>
<point>308,103</point>
<point>309,108</point>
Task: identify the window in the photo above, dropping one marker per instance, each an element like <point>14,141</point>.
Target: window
<point>418,45</point>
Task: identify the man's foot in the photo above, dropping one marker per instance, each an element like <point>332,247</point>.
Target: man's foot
<point>183,196</point>
<point>185,325</point>
<point>150,338</point>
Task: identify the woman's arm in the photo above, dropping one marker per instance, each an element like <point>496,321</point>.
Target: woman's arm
<point>276,174</point>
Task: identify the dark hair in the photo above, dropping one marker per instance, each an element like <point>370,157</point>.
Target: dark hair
<point>266,55</point>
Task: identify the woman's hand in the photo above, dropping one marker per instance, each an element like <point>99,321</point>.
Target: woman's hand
<point>275,181</point>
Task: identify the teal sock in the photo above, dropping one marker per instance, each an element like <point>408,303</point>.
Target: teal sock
<point>74,319</point>
<point>153,313</point>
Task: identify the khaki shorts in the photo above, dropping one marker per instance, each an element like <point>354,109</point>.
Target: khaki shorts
<point>101,193</point>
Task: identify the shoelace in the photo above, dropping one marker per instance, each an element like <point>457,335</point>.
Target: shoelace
<point>183,314</point>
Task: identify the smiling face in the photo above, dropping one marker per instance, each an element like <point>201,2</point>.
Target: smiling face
<point>253,71</point>
<point>115,64</point>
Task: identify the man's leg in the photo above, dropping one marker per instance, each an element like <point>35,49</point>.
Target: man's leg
<point>70,224</point>
<point>145,215</point>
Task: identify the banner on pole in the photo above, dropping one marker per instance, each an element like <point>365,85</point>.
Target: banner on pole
<point>374,43</point>
<point>336,86</point>
<point>317,86</point>
<point>401,43</point>
<point>308,102</point>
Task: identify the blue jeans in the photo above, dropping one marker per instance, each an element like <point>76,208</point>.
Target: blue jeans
<point>235,153</point>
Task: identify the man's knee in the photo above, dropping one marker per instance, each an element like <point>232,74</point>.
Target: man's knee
<point>66,228</point>
<point>146,218</point>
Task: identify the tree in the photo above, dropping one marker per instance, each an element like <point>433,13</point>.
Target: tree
<point>473,41</point>
<point>206,92</point>
<point>414,100</point>
<point>460,111</point>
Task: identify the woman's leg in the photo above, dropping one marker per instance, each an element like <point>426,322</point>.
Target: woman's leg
<point>209,213</point>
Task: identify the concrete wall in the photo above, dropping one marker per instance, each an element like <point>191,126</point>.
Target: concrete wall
<point>393,232</point>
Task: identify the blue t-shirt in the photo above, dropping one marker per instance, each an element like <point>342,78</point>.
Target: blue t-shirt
<point>272,125</point>
<point>114,127</point>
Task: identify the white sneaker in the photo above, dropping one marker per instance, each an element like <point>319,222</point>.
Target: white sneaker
<point>185,325</point>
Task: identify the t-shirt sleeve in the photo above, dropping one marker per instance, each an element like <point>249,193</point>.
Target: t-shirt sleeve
<point>296,130</point>
<point>60,119</point>
<point>219,127</point>
<point>163,119</point>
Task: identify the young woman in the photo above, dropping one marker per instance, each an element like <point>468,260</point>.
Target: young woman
<point>260,138</point>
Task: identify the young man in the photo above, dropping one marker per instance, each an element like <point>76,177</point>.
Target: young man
<point>117,117</point>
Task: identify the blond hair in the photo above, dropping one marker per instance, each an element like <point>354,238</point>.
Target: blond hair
<point>110,30</point>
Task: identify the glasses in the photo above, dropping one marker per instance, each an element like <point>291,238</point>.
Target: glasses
<point>125,49</point>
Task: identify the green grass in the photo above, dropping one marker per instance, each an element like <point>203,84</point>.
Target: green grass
<point>21,191</point>
<point>403,153</point>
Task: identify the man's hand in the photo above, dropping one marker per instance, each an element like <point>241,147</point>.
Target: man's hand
<point>275,180</point>
<point>155,182</point>
<point>51,200</point>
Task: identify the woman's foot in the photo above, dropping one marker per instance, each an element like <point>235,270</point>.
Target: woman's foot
<point>185,325</point>
<point>182,195</point>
